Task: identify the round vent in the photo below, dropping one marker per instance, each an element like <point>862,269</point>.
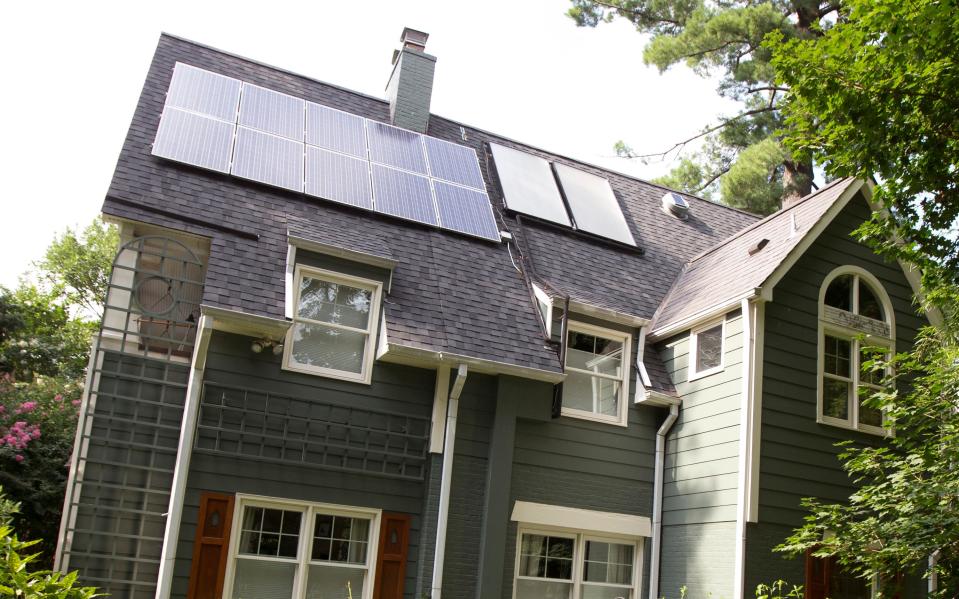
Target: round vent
<point>675,204</point>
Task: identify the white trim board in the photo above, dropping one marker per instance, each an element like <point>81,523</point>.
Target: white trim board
<point>570,518</point>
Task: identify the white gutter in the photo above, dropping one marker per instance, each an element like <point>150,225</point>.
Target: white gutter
<point>439,557</point>
<point>171,532</point>
<point>658,500</point>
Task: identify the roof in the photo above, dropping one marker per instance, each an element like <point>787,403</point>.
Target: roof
<point>450,293</point>
<point>737,266</point>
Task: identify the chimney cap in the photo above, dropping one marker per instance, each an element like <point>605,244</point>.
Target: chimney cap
<point>414,39</point>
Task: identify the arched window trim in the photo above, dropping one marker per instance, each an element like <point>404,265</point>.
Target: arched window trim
<point>834,329</point>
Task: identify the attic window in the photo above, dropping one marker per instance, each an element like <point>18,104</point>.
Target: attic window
<point>597,368</point>
<point>706,349</point>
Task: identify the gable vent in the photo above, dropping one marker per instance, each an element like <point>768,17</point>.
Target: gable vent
<point>675,204</point>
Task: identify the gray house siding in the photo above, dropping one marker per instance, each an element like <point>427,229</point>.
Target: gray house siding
<point>700,481</point>
<point>798,456</point>
<point>577,463</point>
<point>395,389</point>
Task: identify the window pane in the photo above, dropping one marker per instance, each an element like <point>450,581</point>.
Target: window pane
<point>256,579</point>
<point>869,305</point>
<point>270,532</point>
<point>549,557</point>
<point>870,376</point>
<point>588,352</point>
<point>317,345</point>
<point>591,394</point>
<point>333,302</point>
<point>349,541</point>
<point>597,592</point>
<point>835,398</point>
<point>839,293</point>
<point>838,354</point>
<point>532,565</point>
<point>709,348</point>
<point>608,563</point>
<point>540,589</point>
<point>325,582</point>
<point>869,416</point>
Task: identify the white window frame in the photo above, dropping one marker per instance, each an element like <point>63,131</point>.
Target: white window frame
<point>542,296</point>
<point>375,287</point>
<point>613,335</point>
<point>857,339</point>
<point>579,537</point>
<point>694,374</point>
<point>304,548</point>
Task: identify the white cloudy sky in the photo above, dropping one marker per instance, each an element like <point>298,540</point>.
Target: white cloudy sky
<point>73,72</point>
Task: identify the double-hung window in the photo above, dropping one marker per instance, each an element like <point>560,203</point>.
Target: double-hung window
<point>597,373</point>
<point>334,325</point>
<point>287,550</point>
<point>855,314</point>
<point>566,565</point>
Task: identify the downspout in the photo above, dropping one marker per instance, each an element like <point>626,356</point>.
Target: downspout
<point>658,500</point>
<point>446,479</point>
<point>171,532</point>
<point>749,342</point>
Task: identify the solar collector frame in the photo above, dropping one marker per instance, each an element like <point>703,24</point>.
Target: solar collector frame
<point>332,145</point>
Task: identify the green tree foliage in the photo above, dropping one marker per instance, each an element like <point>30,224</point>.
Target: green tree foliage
<point>725,38</point>
<point>876,94</point>
<point>18,578</point>
<point>906,507</point>
<point>78,264</point>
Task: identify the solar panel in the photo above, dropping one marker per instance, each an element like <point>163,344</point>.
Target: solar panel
<point>194,139</point>
<point>204,92</point>
<point>335,130</point>
<point>453,162</point>
<point>396,147</point>
<point>465,210</point>
<point>268,159</point>
<point>338,177</point>
<point>403,194</point>
<point>528,185</point>
<point>593,204</point>
<point>272,112</point>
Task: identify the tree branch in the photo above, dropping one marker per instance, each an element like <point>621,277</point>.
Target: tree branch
<point>712,179</point>
<point>637,12</point>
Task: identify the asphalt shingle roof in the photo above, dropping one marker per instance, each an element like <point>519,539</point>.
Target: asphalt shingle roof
<point>728,271</point>
<point>450,293</point>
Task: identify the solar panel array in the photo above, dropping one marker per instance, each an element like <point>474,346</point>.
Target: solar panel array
<point>531,185</point>
<point>230,126</point>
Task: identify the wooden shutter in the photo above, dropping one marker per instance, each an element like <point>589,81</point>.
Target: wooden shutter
<point>391,559</point>
<point>817,577</point>
<point>211,547</point>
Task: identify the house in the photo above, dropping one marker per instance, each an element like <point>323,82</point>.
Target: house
<point>351,348</point>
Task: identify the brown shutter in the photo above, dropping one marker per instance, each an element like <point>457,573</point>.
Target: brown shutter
<point>211,547</point>
<point>817,577</point>
<point>391,560</point>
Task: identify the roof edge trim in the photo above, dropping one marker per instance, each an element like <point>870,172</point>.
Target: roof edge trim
<point>427,358</point>
<point>341,252</point>
<point>244,323</point>
<point>606,314</point>
<point>658,334</point>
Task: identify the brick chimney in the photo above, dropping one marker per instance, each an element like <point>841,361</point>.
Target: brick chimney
<point>411,84</point>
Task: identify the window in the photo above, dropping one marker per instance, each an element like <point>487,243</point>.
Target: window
<point>706,349</point>
<point>544,304</point>
<point>333,325</point>
<point>855,314</point>
<point>597,373</point>
<point>565,565</point>
<point>288,550</point>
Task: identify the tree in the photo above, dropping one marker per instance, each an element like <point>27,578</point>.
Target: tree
<point>78,265</point>
<point>742,157</point>
<point>875,95</point>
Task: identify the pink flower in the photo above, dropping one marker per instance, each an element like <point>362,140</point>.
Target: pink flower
<point>26,407</point>
<point>58,397</point>
<point>18,457</point>
<point>75,402</point>
<point>3,409</point>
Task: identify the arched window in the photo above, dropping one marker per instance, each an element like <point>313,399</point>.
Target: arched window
<point>854,313</point>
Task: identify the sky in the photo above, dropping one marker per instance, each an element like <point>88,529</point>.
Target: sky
<point>520,68</point>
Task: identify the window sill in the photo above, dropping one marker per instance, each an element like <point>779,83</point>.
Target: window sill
<point>862,428</point>
<point>582,415</point>
<point>366,379</point>
<point>698,375</point>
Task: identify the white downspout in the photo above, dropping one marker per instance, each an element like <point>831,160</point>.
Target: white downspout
<point>660,460</point>
<point>749,341</point>
<point>446,479</point>
<point>171,533</point>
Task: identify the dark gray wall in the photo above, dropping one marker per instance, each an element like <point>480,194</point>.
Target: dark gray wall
<point>798,456</point>
<point>397,389</point>
<point>700,475</point>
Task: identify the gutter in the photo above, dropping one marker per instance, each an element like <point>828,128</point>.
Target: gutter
<point>658,500</point>
<point>442,519</point>
<point>171,532</point>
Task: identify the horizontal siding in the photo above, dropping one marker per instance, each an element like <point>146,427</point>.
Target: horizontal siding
<point>798,456</point>
<point>694,556</point>
<point>394,388</point>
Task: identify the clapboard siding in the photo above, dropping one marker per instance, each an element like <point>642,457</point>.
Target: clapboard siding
<point>399,389</point>
<point>700,478</point>
<point>798,456</point>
